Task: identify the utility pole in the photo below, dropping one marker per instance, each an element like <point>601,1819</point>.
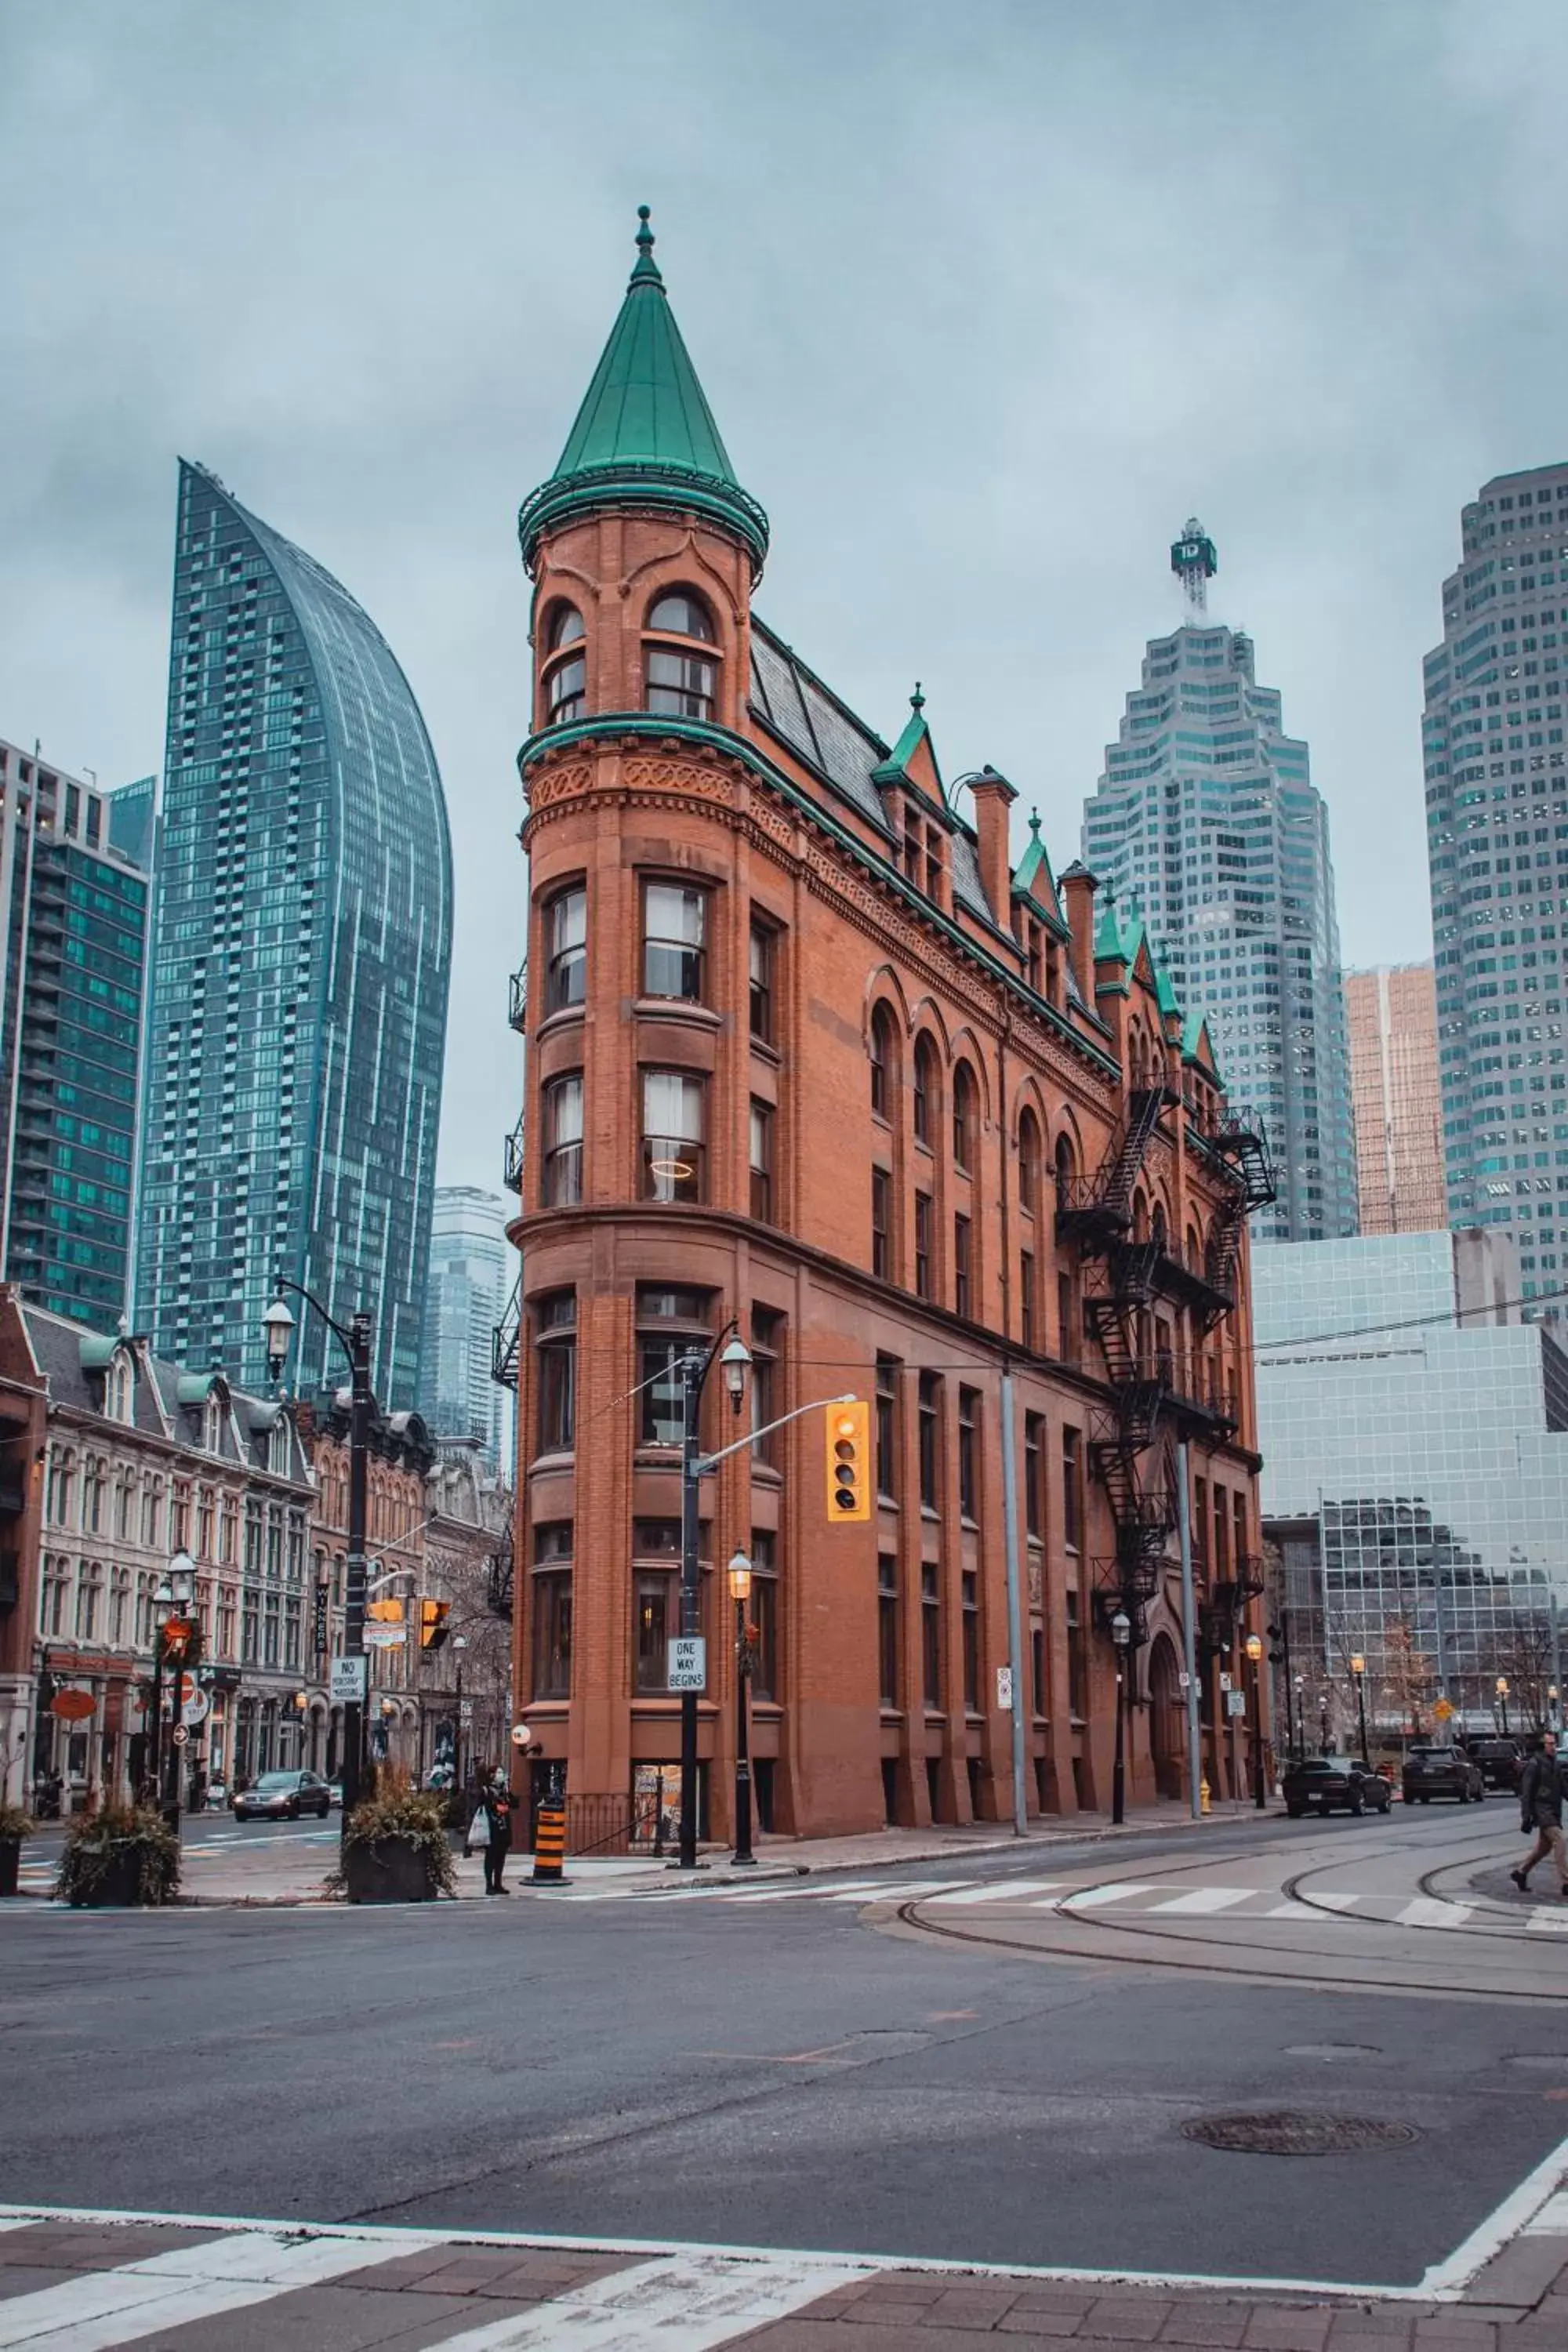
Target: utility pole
<point>1014,1602</point>
<point>1189,1631</point>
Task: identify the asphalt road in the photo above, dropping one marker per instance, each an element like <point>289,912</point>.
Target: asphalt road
<point>780,2072</point>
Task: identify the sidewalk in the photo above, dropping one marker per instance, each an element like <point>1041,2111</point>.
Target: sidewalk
<point>286,1871</point>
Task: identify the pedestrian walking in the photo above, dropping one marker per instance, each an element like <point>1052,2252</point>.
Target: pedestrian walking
<point>496,1805</point>
<point>1541,1809</point>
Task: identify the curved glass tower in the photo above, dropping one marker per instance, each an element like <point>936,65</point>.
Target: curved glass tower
<point>302,944</point>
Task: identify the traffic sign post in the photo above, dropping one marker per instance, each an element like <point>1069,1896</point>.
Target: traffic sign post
<point>687,1666</point>
<point>346,1681</point>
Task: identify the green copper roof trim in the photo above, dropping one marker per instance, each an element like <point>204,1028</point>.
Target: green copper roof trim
<point>1165,992</point>
<point>1034,859</point>
<point>95,1351</point>
<point>895,768</point>
<point>736,747</point>
<point>644,426</point>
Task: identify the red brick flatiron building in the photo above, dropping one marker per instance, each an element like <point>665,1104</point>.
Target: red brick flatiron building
<point>807,1053</point>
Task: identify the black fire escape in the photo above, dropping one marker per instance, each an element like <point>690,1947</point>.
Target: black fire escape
<point>1157,1389</point>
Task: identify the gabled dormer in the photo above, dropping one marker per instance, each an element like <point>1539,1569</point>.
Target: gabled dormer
<point>1038,924</point>
<point>915,802</point>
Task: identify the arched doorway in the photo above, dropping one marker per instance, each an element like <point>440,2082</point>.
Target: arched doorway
<point>1167,1726</point>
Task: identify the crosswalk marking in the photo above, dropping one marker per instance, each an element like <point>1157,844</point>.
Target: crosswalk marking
<point>1553,1921</point>
<point>1206,1898</point>
<point>1426,1911</point>
<point>1097,1897</point>
<point>101,2309</point>
<point>1325,1901</point>
<point>899,1894</point>
<point>693,2300</point>
<point>1012,1890</point>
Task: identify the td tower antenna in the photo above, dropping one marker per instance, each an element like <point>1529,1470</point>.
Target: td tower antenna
<point>1195,563</point>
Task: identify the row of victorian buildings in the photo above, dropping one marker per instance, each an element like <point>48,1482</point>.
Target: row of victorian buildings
<point>112,1463</point>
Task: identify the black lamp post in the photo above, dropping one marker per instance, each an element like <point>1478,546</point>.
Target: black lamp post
<point>1358,1671</point>
<point>1501,1688</point>
<point>1120,1635</point>
<point>1255,1653</point>
<point>740,1592</point>
<point>279,1325</point>
<point>163,1605</point>
<point>694,1371</point>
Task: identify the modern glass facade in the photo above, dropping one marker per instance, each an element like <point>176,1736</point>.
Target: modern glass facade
<point>1496,839</point>
<point>472,1268</point>
<point>1207,819</point>
<point>301,949</point>
<point>1415,1436</point>
<point>70,1023</point>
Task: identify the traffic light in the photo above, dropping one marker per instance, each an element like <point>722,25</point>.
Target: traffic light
<point>390,1612</point>
<point>433,1616</point>
<point>848,1444</point>
<point>181,1641</point>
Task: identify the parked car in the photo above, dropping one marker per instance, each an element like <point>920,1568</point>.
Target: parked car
<point>1442,1773</point>
<point>1502,1760</point>
<point>1325,1782</point>
<point>335,1792</point>
<point>283,1796</point>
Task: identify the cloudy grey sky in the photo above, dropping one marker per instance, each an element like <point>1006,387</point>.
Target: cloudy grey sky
<point>987,298</point>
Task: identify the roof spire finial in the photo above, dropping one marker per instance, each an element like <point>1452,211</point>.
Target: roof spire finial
<point>917,699</point>
<point>646,269</point>
<point>1035,822</point>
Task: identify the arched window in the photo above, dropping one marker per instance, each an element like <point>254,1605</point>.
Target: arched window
<point>566,677</point>
<point>882,1051</point>
<point>963,1117</point>
<point>681,614</point>
<point>1029,1163</point>
<point>117,1392</point>
<point>925,1089</point>
<point>1064,1170</point>
<point>680,683</point>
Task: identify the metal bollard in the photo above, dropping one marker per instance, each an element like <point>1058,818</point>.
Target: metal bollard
<point>549,1844</point>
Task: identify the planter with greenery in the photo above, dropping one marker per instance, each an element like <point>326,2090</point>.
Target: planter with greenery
<point>119,1856</point>
<point>395,1848</point>
<point>14,1825</point>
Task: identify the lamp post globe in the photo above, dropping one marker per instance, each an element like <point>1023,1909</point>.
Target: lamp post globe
<point>278,1325</point>
<point>736,1360</point>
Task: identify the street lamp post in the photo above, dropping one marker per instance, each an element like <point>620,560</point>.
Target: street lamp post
<point>1120,1635</point>
<point>279,1325</point>
<point>173,1644</point>
<point>459,1644</point>
<point>740,1592</point>
<point>1501,1688</point>
<point>1358,1672</point>
<point>162,1606</point>
<point>1255,1653</point>
<point>694,1370</point>
<point>301,1703</point>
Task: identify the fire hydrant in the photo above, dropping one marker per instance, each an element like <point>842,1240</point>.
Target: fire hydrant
<point>1203,1795</point>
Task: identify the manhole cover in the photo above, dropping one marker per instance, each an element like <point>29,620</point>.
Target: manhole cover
<point>1331,2050</point>
<point>1287,2134</point>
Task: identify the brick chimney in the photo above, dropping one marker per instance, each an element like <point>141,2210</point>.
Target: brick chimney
<point>993,797</point>
<point>1077,889</point>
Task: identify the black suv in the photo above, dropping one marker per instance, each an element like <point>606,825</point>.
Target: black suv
<point>1502,1760</point>
<point>1442,1773</point>
<point>1327,1781</point>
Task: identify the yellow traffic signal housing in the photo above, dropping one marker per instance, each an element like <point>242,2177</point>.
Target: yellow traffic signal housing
<point>385,1612</point>
<point>433,1616</point>
<point>848,1464</point>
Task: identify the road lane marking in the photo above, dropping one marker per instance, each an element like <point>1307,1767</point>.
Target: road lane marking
<point>695,2301</point>
<point>1096,1897</point>
<point>1206,1898</point>
<point>101,2309</point>
<point>1016,1890</point>
<point>1554,1922</point>
<point>1426,1911</point>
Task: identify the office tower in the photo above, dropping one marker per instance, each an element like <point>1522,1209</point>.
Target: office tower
<point>1414,1441</point>
<point>1496,831</point>
<point>1391,1021</point>
<point>1207,819</point>
<point>70,1025</point>
<point>471,1270</point>
<point>299,986</point>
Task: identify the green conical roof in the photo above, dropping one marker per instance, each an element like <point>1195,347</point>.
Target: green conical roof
<point>645,434</point>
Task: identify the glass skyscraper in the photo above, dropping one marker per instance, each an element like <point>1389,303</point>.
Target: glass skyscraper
<point>1497,835</point>
<point>1207,819</point>
<point>472,1268</point>
<point>74,887</point>
<point>301,945</point>
<point>1414,1441</point>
